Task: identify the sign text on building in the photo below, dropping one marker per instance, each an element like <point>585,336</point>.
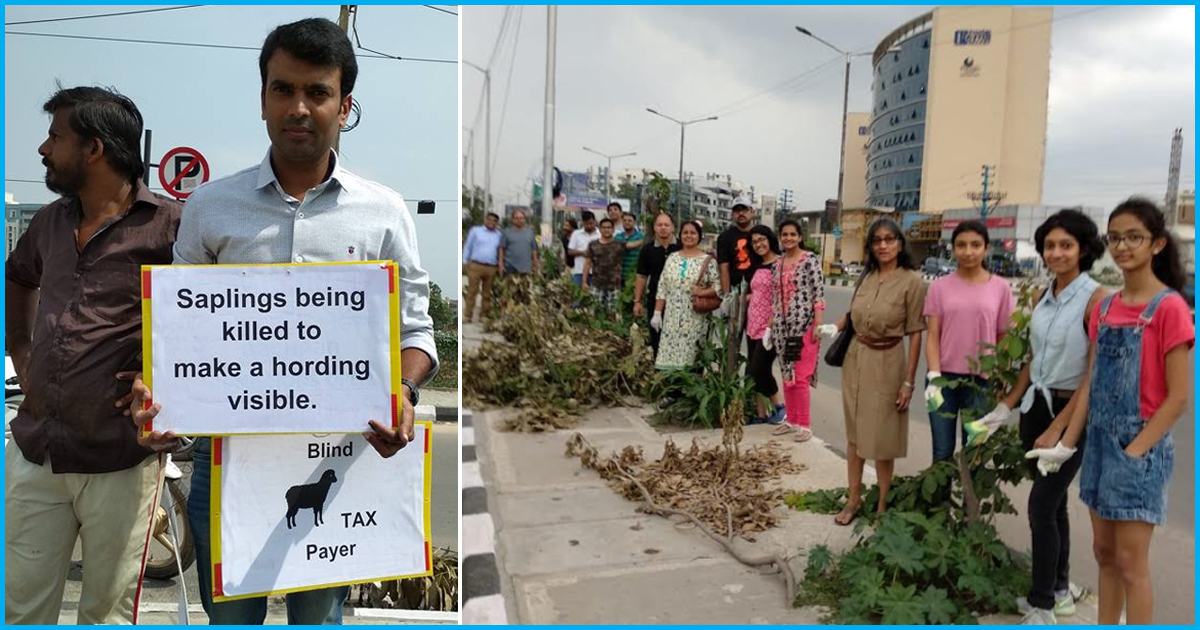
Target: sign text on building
<point>972,37</point>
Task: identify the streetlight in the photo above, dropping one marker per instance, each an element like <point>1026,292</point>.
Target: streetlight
<point>845,114</point>
<point>487,136</point>
<point>679,189</point>
<point>608,172</point>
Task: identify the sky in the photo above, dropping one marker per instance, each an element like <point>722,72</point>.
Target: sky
<point>208,98</point>
<point>1121,80</point>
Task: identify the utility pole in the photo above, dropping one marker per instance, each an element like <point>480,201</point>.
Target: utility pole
<point>679,189</point>
<point>608,171</point>
<point>548,128</point>
<point>487,134</point>
<point>1171,206</point>
<point>989,198</point>
<point>344,24</point>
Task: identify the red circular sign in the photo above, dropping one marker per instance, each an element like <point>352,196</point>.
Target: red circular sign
<point>178,168</point>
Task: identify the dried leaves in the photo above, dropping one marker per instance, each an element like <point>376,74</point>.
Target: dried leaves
<point>698,481</point>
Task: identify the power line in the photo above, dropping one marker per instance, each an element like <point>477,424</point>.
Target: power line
<point>377,55</point>
<point>102,15</point>
<point>430,6</point>
<point>500,36</point>
<point>358,42</point>
<point>512,63</point>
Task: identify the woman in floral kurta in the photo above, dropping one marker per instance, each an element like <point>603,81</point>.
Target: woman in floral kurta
<point>798,293</point>
<point>682,328</point>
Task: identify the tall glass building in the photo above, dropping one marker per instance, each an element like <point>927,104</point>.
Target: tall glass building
<point>954,90</point>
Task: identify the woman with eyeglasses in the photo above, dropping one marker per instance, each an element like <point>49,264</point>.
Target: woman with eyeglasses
<point>963,310</point>
<point>878,372</point>
<point>1047,391</point>
<point>1141,378</point>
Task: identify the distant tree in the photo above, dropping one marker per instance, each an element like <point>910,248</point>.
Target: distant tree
<point>439,309</point>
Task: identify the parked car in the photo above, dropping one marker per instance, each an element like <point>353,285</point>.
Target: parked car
<point>853,269</point>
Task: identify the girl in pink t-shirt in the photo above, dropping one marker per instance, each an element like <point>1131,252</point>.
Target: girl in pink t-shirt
<point>1140,383</point>
<point>964,309</point>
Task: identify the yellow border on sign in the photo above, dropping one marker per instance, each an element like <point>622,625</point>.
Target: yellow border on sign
<point>393,332</point>
<point>215,530</point>
<point>214,508</point>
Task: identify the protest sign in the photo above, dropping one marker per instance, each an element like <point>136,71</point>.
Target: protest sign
<point>306,348</point>
<point>326,511</point>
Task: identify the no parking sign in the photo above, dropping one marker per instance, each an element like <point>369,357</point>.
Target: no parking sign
<point>181,171</point>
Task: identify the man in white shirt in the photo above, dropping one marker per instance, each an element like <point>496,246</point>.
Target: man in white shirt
<point>580,239</point>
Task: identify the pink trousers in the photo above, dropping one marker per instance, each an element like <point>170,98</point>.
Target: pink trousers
<point>797,395</point>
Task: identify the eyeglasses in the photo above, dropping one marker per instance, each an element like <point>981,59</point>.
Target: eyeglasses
<point>1133,240</point>
<point>884,240</point>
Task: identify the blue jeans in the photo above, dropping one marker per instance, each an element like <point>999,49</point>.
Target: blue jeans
<point>318,607</point>
<point>943,421</point>
<point>577,279</point>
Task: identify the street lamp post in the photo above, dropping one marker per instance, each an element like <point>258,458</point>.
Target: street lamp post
<point>487,136</point>
<point>679,189</point>
<point>845,115</point>
<point>608,171</point>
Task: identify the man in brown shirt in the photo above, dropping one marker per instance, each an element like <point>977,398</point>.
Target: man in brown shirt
<point>73,322</point>
<point>602,269</point>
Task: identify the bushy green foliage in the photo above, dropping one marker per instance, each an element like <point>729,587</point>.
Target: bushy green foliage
<point>916,569</point>
<point>699,395</point>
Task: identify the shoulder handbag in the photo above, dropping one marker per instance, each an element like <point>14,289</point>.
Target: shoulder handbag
<point>792,346</point>
<point>705,303</point>
<point>836,354</point>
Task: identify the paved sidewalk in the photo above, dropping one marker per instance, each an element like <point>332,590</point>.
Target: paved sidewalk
<point>168,615</point>
<point>568,550</point>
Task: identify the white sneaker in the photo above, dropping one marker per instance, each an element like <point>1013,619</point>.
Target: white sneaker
<point>1064,604</point>
<point>1039,617</point>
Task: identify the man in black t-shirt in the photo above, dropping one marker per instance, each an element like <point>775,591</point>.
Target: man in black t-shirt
<point>649,269</point>
<point>733,246</point>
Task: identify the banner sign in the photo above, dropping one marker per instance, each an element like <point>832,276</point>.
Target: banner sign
<point>306,348</point>
<point>992,223</point>
<point>326,511</point>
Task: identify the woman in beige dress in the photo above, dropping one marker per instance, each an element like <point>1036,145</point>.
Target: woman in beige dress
<point>878,373</point>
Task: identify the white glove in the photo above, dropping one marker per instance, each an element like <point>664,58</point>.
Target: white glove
<point>980,430</point>
<point>766,340</point>
<point>724,309</point>
<point>1050,459</point>
<point>933,393</point>
<point>829,331</point>
<point>656,321</point>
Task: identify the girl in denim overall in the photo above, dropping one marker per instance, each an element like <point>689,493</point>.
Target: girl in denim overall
<point>1140,381</point>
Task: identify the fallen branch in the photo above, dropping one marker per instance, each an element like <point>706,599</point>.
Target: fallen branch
<point>578,445</point>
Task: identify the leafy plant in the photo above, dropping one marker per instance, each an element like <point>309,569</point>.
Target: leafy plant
<point>704,393</point>
<point>916,569</point>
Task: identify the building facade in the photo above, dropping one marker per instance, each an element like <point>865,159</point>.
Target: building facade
<point>858,145</point>
<point>17,217</point>
<point>954,90</point>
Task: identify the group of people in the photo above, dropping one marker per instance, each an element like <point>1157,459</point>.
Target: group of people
<point>78,465</point>
<point>490,252</point>
<point>1111,370</point>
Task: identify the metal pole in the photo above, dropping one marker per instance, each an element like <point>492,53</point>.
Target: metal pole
<point>344,24</point>
<point>487,143</point>
<point>548,140</point>
<point>842,161</point>
<point>471,151</point>
<point>607,189</point>
<point>146,159</point>
<point>679,188</point>
<point>983,201</point>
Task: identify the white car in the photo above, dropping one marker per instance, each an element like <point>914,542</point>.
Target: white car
<point>853,269</point>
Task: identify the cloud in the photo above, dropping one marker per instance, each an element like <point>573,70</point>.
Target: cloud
<point>1121,80</point>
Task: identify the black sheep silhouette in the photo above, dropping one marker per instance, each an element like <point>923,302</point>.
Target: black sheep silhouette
<point>309,495</point>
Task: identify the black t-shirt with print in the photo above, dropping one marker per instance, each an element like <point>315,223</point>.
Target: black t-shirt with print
<point>733,247</point>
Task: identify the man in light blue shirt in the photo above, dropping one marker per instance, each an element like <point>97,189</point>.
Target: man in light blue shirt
<point>481,261</point>
<point>301,205</point>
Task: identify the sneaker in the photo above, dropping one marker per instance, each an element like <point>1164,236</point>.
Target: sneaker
<point>1064,604</point>
<point>1039,617</point>
<point>779,417</point>
<point>756,420</point>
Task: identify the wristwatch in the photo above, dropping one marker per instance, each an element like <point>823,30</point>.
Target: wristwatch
<point>414,391</point>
